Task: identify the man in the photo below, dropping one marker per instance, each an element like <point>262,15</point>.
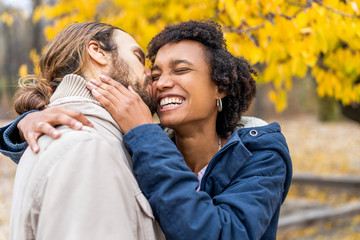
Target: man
<point>81,186</point>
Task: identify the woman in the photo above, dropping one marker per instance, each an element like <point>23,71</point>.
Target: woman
<point>242,175</point>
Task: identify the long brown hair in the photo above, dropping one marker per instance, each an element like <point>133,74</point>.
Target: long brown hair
<point>66,54</point>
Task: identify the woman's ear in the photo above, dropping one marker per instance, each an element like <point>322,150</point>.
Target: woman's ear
<point>221,95</point>
<point>96,53</point>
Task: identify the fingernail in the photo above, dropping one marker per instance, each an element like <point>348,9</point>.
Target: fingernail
<point>35,149</point>
<point>130,89</point>
<point>94,81</point>
<point>95,93</point>
<point>102,76</point>
<point>78,125</point>
<point>55,134</point>
<point>90,85</point>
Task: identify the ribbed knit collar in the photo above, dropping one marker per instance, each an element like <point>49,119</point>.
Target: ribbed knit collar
<point>72,85</point>
<point>72,89</point>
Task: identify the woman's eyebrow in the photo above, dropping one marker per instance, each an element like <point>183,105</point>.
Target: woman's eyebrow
<point>156,67</point>
<point>173,63</point>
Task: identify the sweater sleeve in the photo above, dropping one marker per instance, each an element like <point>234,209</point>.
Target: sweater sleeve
<point>243,210</point>
<point>10,143</point>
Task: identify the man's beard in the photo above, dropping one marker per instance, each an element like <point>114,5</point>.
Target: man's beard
<point>120,72</point>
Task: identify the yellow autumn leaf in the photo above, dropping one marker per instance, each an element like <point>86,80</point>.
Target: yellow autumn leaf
<point>35,58</point>
<point>221,5</point>
<point>23,71</point>
<point>271,73</point>
<point>234,15</point>
<point>279,98</point>
<point>7,19</point>
<point>354,6</point>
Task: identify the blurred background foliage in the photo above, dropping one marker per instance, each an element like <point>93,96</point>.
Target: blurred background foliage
<point>314,42</point>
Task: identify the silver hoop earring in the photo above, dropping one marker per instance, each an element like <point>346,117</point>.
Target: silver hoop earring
<point>219,104</point>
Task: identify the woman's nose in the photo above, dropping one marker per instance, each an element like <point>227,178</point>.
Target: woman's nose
<point>164,82</point>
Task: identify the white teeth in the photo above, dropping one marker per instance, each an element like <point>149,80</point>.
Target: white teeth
<point>170,102</point>
<point>169,105</point>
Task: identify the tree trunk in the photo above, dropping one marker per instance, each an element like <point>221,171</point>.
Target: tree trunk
<point>38,37</point>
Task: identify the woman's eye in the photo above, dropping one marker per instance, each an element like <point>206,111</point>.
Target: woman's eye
<point>181,70</point>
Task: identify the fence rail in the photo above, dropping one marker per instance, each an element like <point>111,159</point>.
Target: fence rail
<point>334,181</point>
<point>304,218</point>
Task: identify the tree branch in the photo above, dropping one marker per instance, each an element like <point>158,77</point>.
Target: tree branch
<point>243,30</point>
<point>341,13</point>
<point>320,2</point>
<point>296,3</point>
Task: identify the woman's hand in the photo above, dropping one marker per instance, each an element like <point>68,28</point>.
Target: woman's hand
<point>124,104</point>
<point>35,124</point>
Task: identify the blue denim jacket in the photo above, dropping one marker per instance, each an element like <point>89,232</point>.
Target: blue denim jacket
<point>240,194</point>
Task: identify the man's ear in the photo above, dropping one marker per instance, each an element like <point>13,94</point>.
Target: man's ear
<point>96,53</point>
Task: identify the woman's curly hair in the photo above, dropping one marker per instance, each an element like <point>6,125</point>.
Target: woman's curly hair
<point>232,75</point>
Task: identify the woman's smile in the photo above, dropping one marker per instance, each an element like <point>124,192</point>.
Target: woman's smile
<point>168,103</point>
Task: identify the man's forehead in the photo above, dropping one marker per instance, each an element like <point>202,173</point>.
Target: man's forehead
<point>125,38</point>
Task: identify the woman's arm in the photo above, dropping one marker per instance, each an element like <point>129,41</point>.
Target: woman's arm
<point>26,129</point>
<point>44,122</point>
<point>11,143</point>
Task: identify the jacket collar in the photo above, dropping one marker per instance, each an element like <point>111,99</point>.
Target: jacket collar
<point>73,93</point>
<point>72,85</point>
